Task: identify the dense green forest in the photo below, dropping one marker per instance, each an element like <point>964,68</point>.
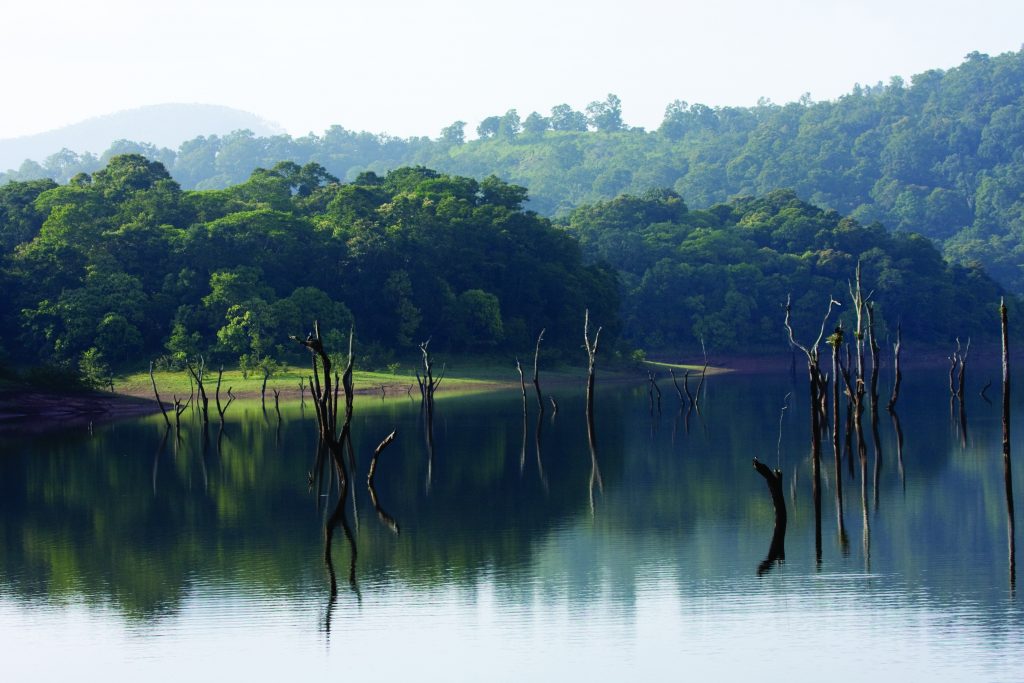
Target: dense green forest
<point>942,156</point>
<point>124,266</point>
<point>128,264</point>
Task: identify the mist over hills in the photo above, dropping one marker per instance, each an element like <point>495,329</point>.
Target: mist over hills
<point>161,125</point>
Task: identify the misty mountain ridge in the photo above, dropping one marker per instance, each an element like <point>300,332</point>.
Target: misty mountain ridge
<point>162,125</point>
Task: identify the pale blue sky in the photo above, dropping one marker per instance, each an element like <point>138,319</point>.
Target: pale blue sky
<point>410,68</point>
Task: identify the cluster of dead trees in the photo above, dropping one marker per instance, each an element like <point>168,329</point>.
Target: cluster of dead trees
<point>847,372</point>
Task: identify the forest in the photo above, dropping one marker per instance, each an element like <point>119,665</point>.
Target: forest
<point>123,266</point>
<point>941,156</point>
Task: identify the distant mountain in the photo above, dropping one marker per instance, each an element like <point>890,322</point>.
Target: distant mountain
<point>162,125</point>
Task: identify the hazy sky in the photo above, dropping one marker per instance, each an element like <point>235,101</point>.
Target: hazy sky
<point>412,67</point>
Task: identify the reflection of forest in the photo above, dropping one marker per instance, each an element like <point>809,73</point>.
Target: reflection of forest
<point>114,519</point>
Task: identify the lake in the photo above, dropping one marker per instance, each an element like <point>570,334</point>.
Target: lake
<point>511,554</point>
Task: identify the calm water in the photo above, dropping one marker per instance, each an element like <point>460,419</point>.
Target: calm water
<point>515,557</point>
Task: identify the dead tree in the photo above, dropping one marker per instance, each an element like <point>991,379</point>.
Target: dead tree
<point>835,340</point>
<point>536,372</point>
<point>777,550</point>
<point>376,454</point>
<point>324,398</point>
<point>1007,469</point>
<point>591,347</point>
<point>179,408</point>
<point>231,397</point>
<point>302,392</point>
<point>652,389</point>
<point>196,372</point>
<point>859,303</point>
<point>814,387</point>
<point>263,389</point>
<point>963,370</point>
<point>896,368</point>
<point>157,394</point>
<point>277,404</point>
<point>554,406</point>
<point>675,384</point>
<point>428,383</point>
<point>873,346</point>
<point>703,374</point>
<point>522,384</point>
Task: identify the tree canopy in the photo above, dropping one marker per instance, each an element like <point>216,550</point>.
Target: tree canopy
<point>126,264</point>
<point>941,155</point>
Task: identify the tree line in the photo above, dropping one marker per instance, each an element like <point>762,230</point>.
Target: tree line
<point>124,266</point>
<point>940,156</point>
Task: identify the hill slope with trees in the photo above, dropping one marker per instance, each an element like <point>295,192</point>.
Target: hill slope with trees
<point>124,265</point>
<point>942,156</point>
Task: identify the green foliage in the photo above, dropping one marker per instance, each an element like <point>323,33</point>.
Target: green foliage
<point>723,274</point>
<point>940,156</point>
<point>126,263</point>
<point>93,369</point>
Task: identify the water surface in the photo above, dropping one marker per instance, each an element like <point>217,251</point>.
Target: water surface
<point>518,554</point>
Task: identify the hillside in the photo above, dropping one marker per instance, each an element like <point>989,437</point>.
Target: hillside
<point>126,266</point>
<point>942,156</point>
<point>160,126</point>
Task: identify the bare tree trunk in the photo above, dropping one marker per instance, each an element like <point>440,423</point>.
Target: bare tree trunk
<point>703,374</point>
<point>263,389</point>
<point>157,394</point>
<point>1007,468</point>
<point>896,366</point>
<point>961,379</point>
<point>376,454</point>
<point>873,345</point>
<point>836,341</point>
<point>679,392</point>
<point>231,397</point>
<point>777,550</point>
<point>814,385</point>
<point>536,372</point>
<point>591,347</point>
<point>197,375</point>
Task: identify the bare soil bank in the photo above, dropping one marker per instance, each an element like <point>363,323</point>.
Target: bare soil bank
<point>39,411</point>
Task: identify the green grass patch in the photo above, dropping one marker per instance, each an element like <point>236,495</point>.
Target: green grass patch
<point>287,381</point>
<point>712,370</point>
